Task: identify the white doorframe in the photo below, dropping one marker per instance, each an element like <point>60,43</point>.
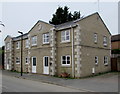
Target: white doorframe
<point>35,64</point>
<point>46,65</point>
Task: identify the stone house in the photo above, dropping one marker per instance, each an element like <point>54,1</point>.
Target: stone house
<point>80,48</point>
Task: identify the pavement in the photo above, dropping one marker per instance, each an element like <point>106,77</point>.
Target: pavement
<point>103,83</point>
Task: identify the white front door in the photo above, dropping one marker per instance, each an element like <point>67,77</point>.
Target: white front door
<point>7,66</point>
<point>45,65</point>
<point>8,61</point>
<point>34,61</point>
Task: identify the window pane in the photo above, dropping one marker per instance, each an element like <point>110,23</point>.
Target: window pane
<point>68,62</point>
<point>63,33</point>
<point>68,58</point>
<point>67,37</point>
<point>67,33</point>
<point>34,61</point>
<point>64,58</point>
<point>63,62</point>
<point>46,61</point>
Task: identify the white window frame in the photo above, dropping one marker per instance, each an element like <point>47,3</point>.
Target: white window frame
<point>105,60</point>
<point>64,37</point>
<point>7,46</point>
<point>17,60</point>
<point>65,60</point>
<point>105,41</point>
<point>18,45</point>
<point>46,38</point>
<point>26,60</point>
<point>96,60</point>
<point>95,37</point>
<point>34,40</point>
<point>26,43</point>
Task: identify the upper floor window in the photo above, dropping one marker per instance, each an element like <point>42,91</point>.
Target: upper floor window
<point>96,60</point>
<point>17,60</point>
<point>7,46</point>
<point>46,38</point>
<point>105,60</point>
<point>26,60</point>
<point>17,45</point>
<point>95,38</point>
<point>65,60</point>
<point>26,43</point>
<point>34,40</point>
<point>105,41</point>
<point>65,36</point>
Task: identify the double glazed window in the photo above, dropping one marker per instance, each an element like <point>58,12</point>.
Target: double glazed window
<point>34,40</point>
<point>7,46</point>
<point>105,60</point>
<point>46,38</point>
<point>18,45</point>
<point>65,60</point>
<point>95,38</point>
<point>26,60</point>
<point>17,60</point>
<point>105,41</point>
<point>26,43</point>
<point>96,60</point>
<point>65,36</point>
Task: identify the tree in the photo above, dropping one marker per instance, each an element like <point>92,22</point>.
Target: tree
<point>63,15</point>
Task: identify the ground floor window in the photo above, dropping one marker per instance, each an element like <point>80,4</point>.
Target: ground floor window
<point>96,60</point>
<point>26,60</point>
<point>65,60</point>
<point>105,60</point>
<point>17,60</point>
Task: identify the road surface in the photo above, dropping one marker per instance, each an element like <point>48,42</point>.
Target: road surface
<point>13,84</point>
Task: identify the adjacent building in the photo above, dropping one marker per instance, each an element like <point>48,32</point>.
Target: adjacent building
<point>115,59</point>
<point>80,48</point>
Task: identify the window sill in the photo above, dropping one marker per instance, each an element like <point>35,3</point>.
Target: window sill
<point>105,45</point>
<point>17,63</point>
<point>95,42</point>
<point>96,64</point>
<point>106,64</point>
<point>65,42</point>
<point>46,43</point>
<point>65,65</point>
<point>33,45</point>
<point>17,48</point>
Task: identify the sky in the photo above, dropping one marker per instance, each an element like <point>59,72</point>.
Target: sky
<point>23,15</point>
